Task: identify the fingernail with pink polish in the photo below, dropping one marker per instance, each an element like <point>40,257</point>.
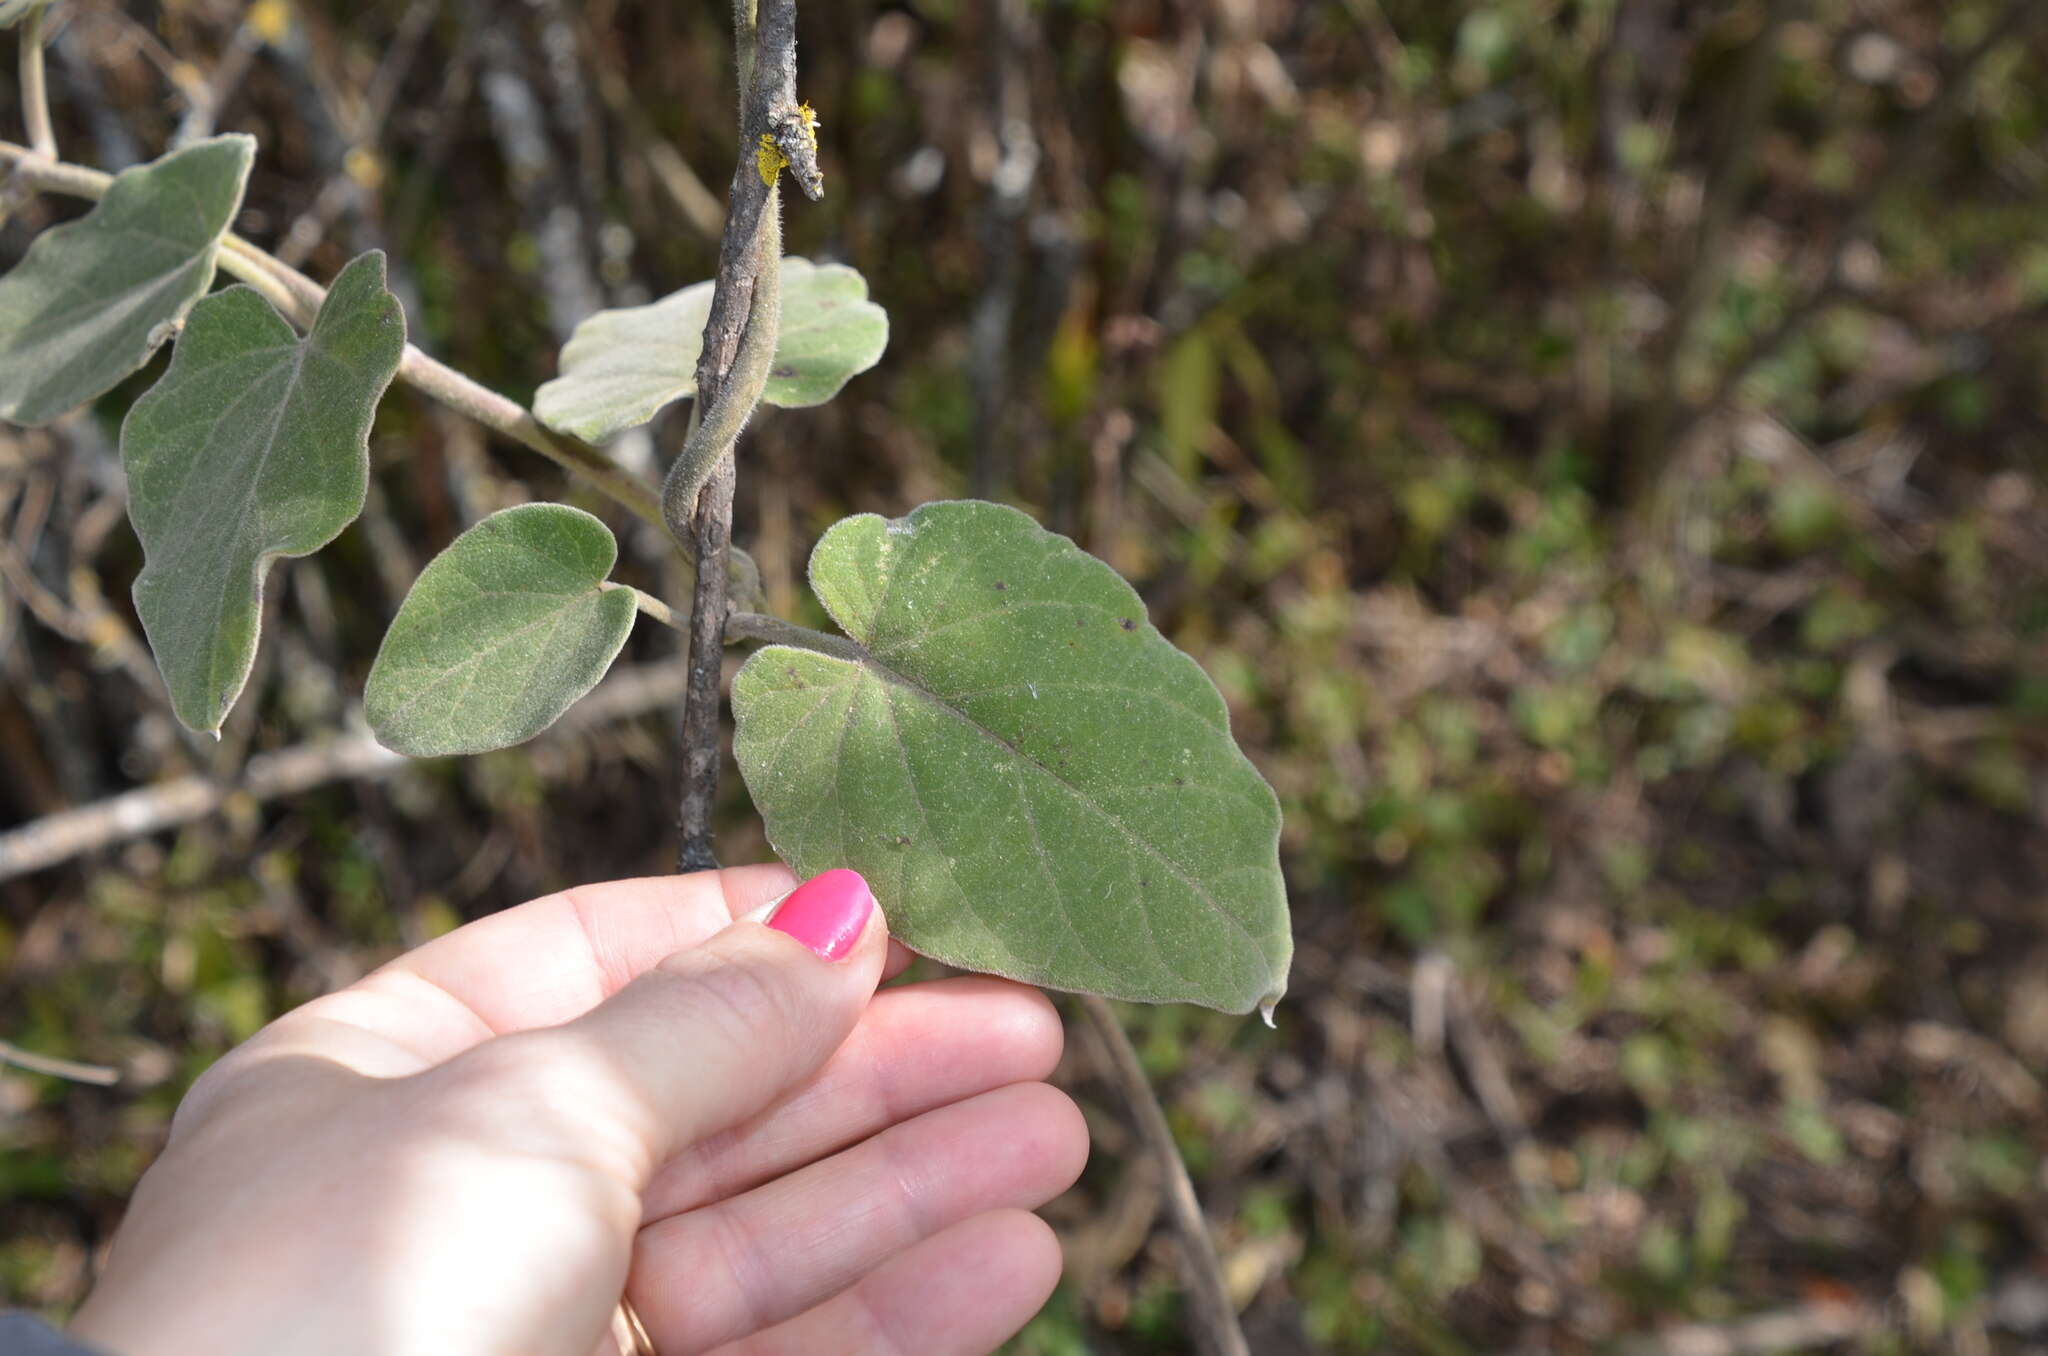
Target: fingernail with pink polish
<point>826,913</point>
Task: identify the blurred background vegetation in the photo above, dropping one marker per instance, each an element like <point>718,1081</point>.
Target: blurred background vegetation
<point>1596,445</point>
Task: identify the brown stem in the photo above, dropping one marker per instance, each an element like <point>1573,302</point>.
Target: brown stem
<point>712,528</point>
<point>1215,1317</point>
<point>759,628</point>
<point>765,43</point>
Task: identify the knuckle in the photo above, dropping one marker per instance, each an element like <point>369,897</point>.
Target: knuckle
<point>738,1005</point>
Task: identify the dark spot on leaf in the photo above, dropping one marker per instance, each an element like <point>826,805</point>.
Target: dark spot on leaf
<point>791,671</point>
<point>1144,884</point>
<point>1128,624</point>
<point>1178,782</point>
<point>1080,623</point>
<point>1001,587</point>
<point>785,371</point>
<point>901,841</point>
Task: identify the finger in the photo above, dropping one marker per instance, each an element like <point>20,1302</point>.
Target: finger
<point>535,965</point>
<point>555,958</point>
<point>704,1040</point>
<point>916,1048</point>
<point>719,1273</point>
<point>900,958</point>
<point>958,1293</point>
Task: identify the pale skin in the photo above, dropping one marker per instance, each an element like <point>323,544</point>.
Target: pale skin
<point>479,1147</point>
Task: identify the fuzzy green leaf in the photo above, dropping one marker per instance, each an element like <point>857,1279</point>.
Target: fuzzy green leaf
<point>254,445</point>
<point>93,298</point>
<point>620,367</point>
<point>1035,781</point>
<point>500,634</point>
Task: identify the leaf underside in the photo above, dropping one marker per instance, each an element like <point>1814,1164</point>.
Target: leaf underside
<point>621,367</point>
<point>500,634</point>
<point>254,445</point>
<point>93,298</point>
<point>1035,781</point>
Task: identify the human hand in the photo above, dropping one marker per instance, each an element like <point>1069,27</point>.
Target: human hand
<point>478,1147</point>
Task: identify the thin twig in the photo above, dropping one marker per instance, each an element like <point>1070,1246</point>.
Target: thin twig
<point>88,622</point>
<point>362,130</point>
<point>35,87</point>
<point>299,297</point>
<point>761,629</point>
<point>1215,1316</point>
<point>744,628</point>
<point>1713,243</point>
<point>212,94</point>
<point>1009,100</point>
<point>550,203</point>
<point>97,1074</point>
<point>1909,150</point>
<point>55,838</point>
<point>698,205</point>
<point>650,606</point>
<point>1809,1327</point>
<point>766,53</point>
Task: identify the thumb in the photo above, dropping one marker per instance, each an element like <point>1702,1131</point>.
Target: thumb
<point>713,1034</point>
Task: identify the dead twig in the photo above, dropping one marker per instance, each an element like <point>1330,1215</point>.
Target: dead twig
<point>362,131</point>
<point>207,98</point>
<point>56,838</point>
<point>1802,1329</point>
<point>1215,1317</point>
<point>1909,151</point>
<point>698,205</point>
<point>97,1074</point>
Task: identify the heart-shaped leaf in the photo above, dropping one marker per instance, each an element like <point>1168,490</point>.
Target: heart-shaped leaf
<point>1034,780</point>
<point>500,634</point>
<point>93,298</point>
<point>620,367</point>
<point>254,445</point>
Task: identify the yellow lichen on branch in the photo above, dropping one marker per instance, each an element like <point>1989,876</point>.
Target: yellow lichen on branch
<point>770,159</point>
<point>794,141</point>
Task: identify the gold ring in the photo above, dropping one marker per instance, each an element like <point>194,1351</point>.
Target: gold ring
<point>629,1332</point>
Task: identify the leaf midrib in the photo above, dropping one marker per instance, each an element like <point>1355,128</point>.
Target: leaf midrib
<point>910,684</point>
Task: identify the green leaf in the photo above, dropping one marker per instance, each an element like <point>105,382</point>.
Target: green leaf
<point>500,634</point>
<point>254,445</point>
<point>1036,783</point>
<point>93,298</point>
<point>830,333</point>
<point>620,367</point>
